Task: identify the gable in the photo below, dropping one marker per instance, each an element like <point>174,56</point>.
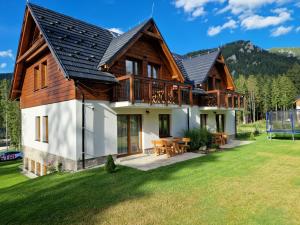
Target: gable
<point>124,44</point>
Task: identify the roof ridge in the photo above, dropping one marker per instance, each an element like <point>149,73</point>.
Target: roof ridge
<point>70,17</point>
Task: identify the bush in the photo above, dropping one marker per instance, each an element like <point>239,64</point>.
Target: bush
<point>60,167</point>
<point>110,165</point>
<point>199,138</point>
<point>252,136</point>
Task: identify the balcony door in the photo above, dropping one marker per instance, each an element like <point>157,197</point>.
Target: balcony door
<point>129,134</point>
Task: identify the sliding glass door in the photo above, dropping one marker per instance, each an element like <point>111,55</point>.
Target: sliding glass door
<point>129,134</point>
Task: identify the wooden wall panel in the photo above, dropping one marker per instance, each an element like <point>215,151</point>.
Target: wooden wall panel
<point>58,87</point>
<point>147,51</point>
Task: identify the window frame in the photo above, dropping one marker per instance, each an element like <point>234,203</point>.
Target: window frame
<point>44,74</point>
<point>45,129</point>
<point>153,67</point>
<point>161,119</point>
<point>36,78</point>
<point>136,65</point>
<point>203,117</point>
<point>37,128</point>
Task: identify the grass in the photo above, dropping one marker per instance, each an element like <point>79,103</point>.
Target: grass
<point>254,184</point>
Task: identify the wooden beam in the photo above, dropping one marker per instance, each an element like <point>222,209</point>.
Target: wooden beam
<point>131,89</point>
<point>150,92</point>
<point>218,99</point>
<point>40,50</point>
<point>179,96</point>
<point>32,49</point>
<point>152,35</point>
<point>191,96</point>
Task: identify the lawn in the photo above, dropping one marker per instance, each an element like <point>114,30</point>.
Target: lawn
<point>254,184</point>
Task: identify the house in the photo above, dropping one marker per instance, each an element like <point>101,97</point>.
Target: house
<point>86,92</point>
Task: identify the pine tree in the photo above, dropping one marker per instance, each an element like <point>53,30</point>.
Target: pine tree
<point>294,75</point>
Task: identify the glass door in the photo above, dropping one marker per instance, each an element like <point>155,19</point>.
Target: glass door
<point>129,134</point>
<point>135,134</point>
<point>220,121</point>
<point>122,134</point>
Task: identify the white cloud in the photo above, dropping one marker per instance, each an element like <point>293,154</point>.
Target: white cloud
<point>281,31</point>
<point>3,65</point>
<point>116,30</point>
<point>8,53</point>
<point>249,6</point>
<point>297,29</point>
<point>212,31</point>
<point>195,8</point>
<point>257,22</point>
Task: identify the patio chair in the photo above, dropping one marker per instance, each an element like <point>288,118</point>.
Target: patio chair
<point>158,146</point>
<point>186,145</point>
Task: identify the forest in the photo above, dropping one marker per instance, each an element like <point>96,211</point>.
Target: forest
<point>10,115</point>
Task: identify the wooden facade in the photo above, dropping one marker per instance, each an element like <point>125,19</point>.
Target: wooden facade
<point>58,88</point>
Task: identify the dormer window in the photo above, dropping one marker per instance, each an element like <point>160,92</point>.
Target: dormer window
<point>132,67</point>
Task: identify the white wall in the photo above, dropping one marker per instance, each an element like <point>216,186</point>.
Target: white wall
<point>100,129</point>
<point>61,132</point>
<point>179,121</point>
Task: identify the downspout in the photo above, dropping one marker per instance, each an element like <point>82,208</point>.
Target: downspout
<point>82,125</point>
<point>188,118</point>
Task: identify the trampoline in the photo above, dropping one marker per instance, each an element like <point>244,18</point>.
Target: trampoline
<point>283,122</point>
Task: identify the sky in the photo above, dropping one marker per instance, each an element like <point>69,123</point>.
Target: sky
<point>186,25</point>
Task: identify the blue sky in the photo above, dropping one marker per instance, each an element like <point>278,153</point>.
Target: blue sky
<point>186,25</point>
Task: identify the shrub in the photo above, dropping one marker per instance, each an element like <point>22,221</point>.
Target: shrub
<point>60,167</point>
<point>252,136</point>
<point>199,138</point>
<point>110,165</point>
<point>51,167</point>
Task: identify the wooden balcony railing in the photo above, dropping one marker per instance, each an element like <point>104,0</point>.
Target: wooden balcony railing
<point>137,89</point>
<point>225,99</point>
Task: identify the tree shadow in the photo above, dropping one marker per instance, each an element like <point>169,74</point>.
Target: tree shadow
<point>71,198</point>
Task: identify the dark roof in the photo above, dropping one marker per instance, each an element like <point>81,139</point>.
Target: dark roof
<point>197,68</point>
<point>77,46</point>
<point>178,59</point>
<point>120,42</point>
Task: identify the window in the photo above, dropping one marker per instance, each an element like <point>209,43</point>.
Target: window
<point>164,125</point>
<point>153,71</point>
<point>132,67</point>
<point>218,84</point>
<point>220,122</point>
<point>36,78</point>
<point>210,84</point>
<point>44,74</point>
<point>37,128</point>
<point>203,121</point>
<point>45,129</point>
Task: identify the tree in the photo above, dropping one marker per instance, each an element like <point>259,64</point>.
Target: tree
<point>253,91</point>
<point>288,92</point>
<point>294,75</point>
<point>275,92</point>
<point>241,87</point>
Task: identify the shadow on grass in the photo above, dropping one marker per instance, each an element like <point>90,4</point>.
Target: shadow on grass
<point>81,198</point>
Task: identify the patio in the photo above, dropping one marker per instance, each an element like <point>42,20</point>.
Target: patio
<point>147,162</point>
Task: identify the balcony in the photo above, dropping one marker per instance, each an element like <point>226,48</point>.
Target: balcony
<point>222,99</point>
<point>137,89</point>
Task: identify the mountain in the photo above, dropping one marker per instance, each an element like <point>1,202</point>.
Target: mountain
<point>6,76</point>
<point>243,57</point>
<point>289,52</point>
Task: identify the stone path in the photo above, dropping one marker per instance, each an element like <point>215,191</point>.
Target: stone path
<point>146,162</point>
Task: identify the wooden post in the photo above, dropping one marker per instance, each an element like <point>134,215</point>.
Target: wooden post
<point>131,89</point>
<point>179,96</point>
<point>232,101</point>
<point>150,92</point>
<point>191,96</point>
<point>218,98</point>
<point>166,93</point>
<point>239,101</point>
<point>226,100</point>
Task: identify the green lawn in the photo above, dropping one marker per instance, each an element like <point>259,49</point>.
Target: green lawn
<point>253,184</point>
